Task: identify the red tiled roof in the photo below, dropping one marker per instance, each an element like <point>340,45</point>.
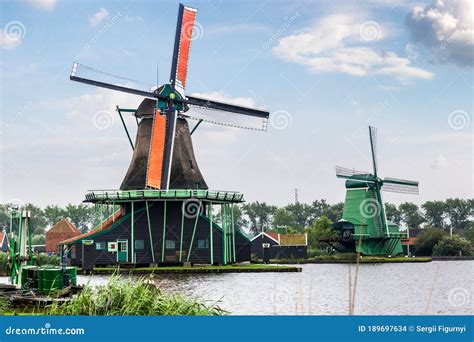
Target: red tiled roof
<point>273,235</point>
<point>60,231</point>
<point>103,226</point>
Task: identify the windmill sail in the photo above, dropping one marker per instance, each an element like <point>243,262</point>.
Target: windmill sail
<point>402,186</point>
<point>182,46</point>
<point>226,118</point>
<point>373,147</point>
<point>344,172</point>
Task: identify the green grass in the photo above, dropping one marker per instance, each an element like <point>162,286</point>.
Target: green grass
<point>197,269</point>
<point>367,259</point>
<point>351,258</point>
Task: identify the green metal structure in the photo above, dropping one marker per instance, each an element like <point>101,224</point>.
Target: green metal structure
<point>24,274</point>
<point>19,237</point>
<point>364,226</point>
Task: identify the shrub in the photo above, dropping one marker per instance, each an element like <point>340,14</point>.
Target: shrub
<point>452,246</point>
<point>427,239</point>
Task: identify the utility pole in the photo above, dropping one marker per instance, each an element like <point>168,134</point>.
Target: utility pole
<point>296,195</point>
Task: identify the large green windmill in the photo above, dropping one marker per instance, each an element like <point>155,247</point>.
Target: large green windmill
<point>364,226</point>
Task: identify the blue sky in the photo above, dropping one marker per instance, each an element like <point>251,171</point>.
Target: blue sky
<point>325,70</point>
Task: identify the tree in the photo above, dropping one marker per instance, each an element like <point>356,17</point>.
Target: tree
<point>316,210</point>
<point>37,220</point>
<point>53,214</point>
<point>393,214</point>
<point>320,229</point>
<point>427,239</point>
<point>469,232</point>
<point>38,240</point>
<point>296,216</point>
<point>259,216</point>
<point>239,218</point>
<point>84,217</point>
<point>458,212</point>
<point>334,212</point>
<point>411,215</point>
<point>435,213</point>
<point>452,246</point>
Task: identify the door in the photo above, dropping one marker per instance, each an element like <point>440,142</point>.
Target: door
<point>122,250</point>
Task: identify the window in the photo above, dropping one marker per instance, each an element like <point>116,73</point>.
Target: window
<point>100,245</point>
<point>139,244</point>
<point>170,244</point>
<point>203,244</point>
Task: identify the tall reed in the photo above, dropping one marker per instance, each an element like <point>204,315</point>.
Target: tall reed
<point>131,296</point>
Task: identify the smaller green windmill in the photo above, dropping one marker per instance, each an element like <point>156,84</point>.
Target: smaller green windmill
<point>364,226</point>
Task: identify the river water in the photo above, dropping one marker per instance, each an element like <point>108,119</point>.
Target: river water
<point>435,288</point>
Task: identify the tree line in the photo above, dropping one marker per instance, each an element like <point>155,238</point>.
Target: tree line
<point>83,216</point>
<point>255,217</point>
<point>452,213</point>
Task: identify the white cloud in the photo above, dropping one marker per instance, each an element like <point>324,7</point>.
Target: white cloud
<point>97,18</point>
<point>47,5</point>
<point>446,27</point>
<point>345,43</point>
<point>8,42</point>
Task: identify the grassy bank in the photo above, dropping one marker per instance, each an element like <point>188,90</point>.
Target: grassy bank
<point>351,258</point>
<point>123,296</point>
<point>253,268</point>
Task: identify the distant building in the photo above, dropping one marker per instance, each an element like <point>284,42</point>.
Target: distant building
<point>4,241</point>
<point>61,231</point>
<point>273,245</point>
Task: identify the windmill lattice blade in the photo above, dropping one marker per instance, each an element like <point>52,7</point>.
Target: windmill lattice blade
<point>225,107</point>
<point>373,147</point>
<point>401,188</point>
<point>85,74</point>
<point>225,118</point>
<point>182,46</point>
<point>344,172</point>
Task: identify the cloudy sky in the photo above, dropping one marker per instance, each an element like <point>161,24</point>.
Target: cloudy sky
<point>325,70</point>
